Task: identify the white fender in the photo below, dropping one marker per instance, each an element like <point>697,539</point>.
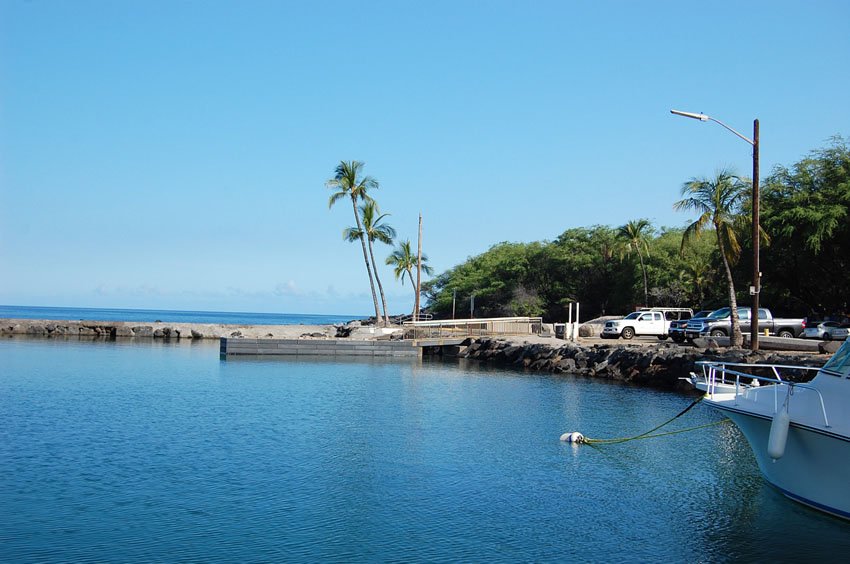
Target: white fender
<point>778,433</point>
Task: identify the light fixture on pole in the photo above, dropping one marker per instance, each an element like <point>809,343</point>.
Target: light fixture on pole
<point>755,289</point>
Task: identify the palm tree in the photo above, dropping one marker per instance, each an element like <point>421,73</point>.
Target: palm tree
<point>635,235</point>
<point>349,183</point>
<point>403,260</point>
<point>374,230</point>
<point>718,201</point>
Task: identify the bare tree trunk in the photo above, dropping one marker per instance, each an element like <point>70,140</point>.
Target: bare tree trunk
<point>378,280</point>
<point>415,305</point>
<point>736,339</point>
<point>645,283</point>
<point>418,272</point>
<point>366,260</point>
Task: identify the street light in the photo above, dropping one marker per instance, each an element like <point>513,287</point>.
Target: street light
<point>755,289</point>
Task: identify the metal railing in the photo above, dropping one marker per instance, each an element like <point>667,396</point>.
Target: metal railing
<point>459,328</point>
<point>409,317</point>
<point>711,369</point>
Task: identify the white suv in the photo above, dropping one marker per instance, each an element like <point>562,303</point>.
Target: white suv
<point>653,322</point>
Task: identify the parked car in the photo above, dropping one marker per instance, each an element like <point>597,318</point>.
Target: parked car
<point>719,324</point>
<point>677,327</point>
<point>647,321</point>
<point>826,331</point>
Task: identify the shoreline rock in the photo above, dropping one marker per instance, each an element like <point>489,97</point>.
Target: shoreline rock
<point>659,366</point>
<point>168,331</point>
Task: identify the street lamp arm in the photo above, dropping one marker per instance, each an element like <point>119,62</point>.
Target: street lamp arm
<point>744,137</point>
<point>703,117</point>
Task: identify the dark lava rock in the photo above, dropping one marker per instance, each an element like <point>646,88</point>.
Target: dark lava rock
<point>343,331</point>
<point>143,331</point>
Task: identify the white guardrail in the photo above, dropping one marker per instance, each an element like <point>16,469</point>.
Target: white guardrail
<point>456,328</point>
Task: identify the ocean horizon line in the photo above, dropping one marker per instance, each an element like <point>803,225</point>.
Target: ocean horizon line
<point>171,315</point>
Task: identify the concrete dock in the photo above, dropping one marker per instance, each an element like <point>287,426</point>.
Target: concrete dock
<point>319,347</point>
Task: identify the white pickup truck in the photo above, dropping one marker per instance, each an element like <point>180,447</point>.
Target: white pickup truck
<point>652,322</point>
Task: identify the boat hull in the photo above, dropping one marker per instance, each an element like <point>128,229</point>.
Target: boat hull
<point>813,468</point>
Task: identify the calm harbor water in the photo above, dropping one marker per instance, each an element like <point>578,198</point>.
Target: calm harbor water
<point>170,316</point>
<point>112,451</point>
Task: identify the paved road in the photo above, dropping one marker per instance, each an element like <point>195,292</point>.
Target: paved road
<point>640,341</point>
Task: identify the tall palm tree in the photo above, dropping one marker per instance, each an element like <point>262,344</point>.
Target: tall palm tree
<point>403,260</point>
<point>374,230</point>
<point>635,235</point>
<point>348,182</point>
<point>718,201</point>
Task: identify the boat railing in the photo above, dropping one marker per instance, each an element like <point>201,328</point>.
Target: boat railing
<point>711,368</point>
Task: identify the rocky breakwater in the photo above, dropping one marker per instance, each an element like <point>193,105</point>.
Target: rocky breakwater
<point>167,331</point>
<point>103,329</point>
<point>659,366</point>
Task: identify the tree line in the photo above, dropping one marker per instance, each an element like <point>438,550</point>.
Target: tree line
<point>612,270</point>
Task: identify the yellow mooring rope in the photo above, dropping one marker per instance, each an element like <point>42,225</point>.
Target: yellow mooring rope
<point>645,436</point>
<point>648,434</point>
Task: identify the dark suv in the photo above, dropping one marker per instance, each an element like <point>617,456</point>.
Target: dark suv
<point>677,328</point>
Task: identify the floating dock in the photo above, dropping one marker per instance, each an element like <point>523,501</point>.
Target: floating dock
<point>318,347</point>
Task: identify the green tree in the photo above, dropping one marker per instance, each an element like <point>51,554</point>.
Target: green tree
<point>635,236</point>
<point>595,277</point>
<point>681,280</point>
<point>491,277</point>
<point>404,260</point>
<point>349,183</point>
<point>525,303</point>
<point>696,274</point>
<point>718,202</point>
<point>806,208</point>
<point>374,230</point>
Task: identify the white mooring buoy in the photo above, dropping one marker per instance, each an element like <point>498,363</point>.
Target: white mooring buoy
<point>572,437</point>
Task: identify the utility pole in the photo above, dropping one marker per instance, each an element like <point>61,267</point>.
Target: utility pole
<point>754,314</point>
<point>454,301</point>
<point>418,272</point>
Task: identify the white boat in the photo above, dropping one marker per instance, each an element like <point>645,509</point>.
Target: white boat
<point>799,432</point>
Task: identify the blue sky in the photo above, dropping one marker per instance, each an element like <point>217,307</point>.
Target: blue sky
<point>174,155</point>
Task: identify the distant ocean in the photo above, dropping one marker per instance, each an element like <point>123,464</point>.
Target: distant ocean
<point>169,316</point>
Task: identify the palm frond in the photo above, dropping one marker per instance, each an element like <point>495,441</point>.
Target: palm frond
<point>352,234</point>
<point>694,230</point>
<point>404,261</point>
<point>335,197</point>
<point>730,239</point>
